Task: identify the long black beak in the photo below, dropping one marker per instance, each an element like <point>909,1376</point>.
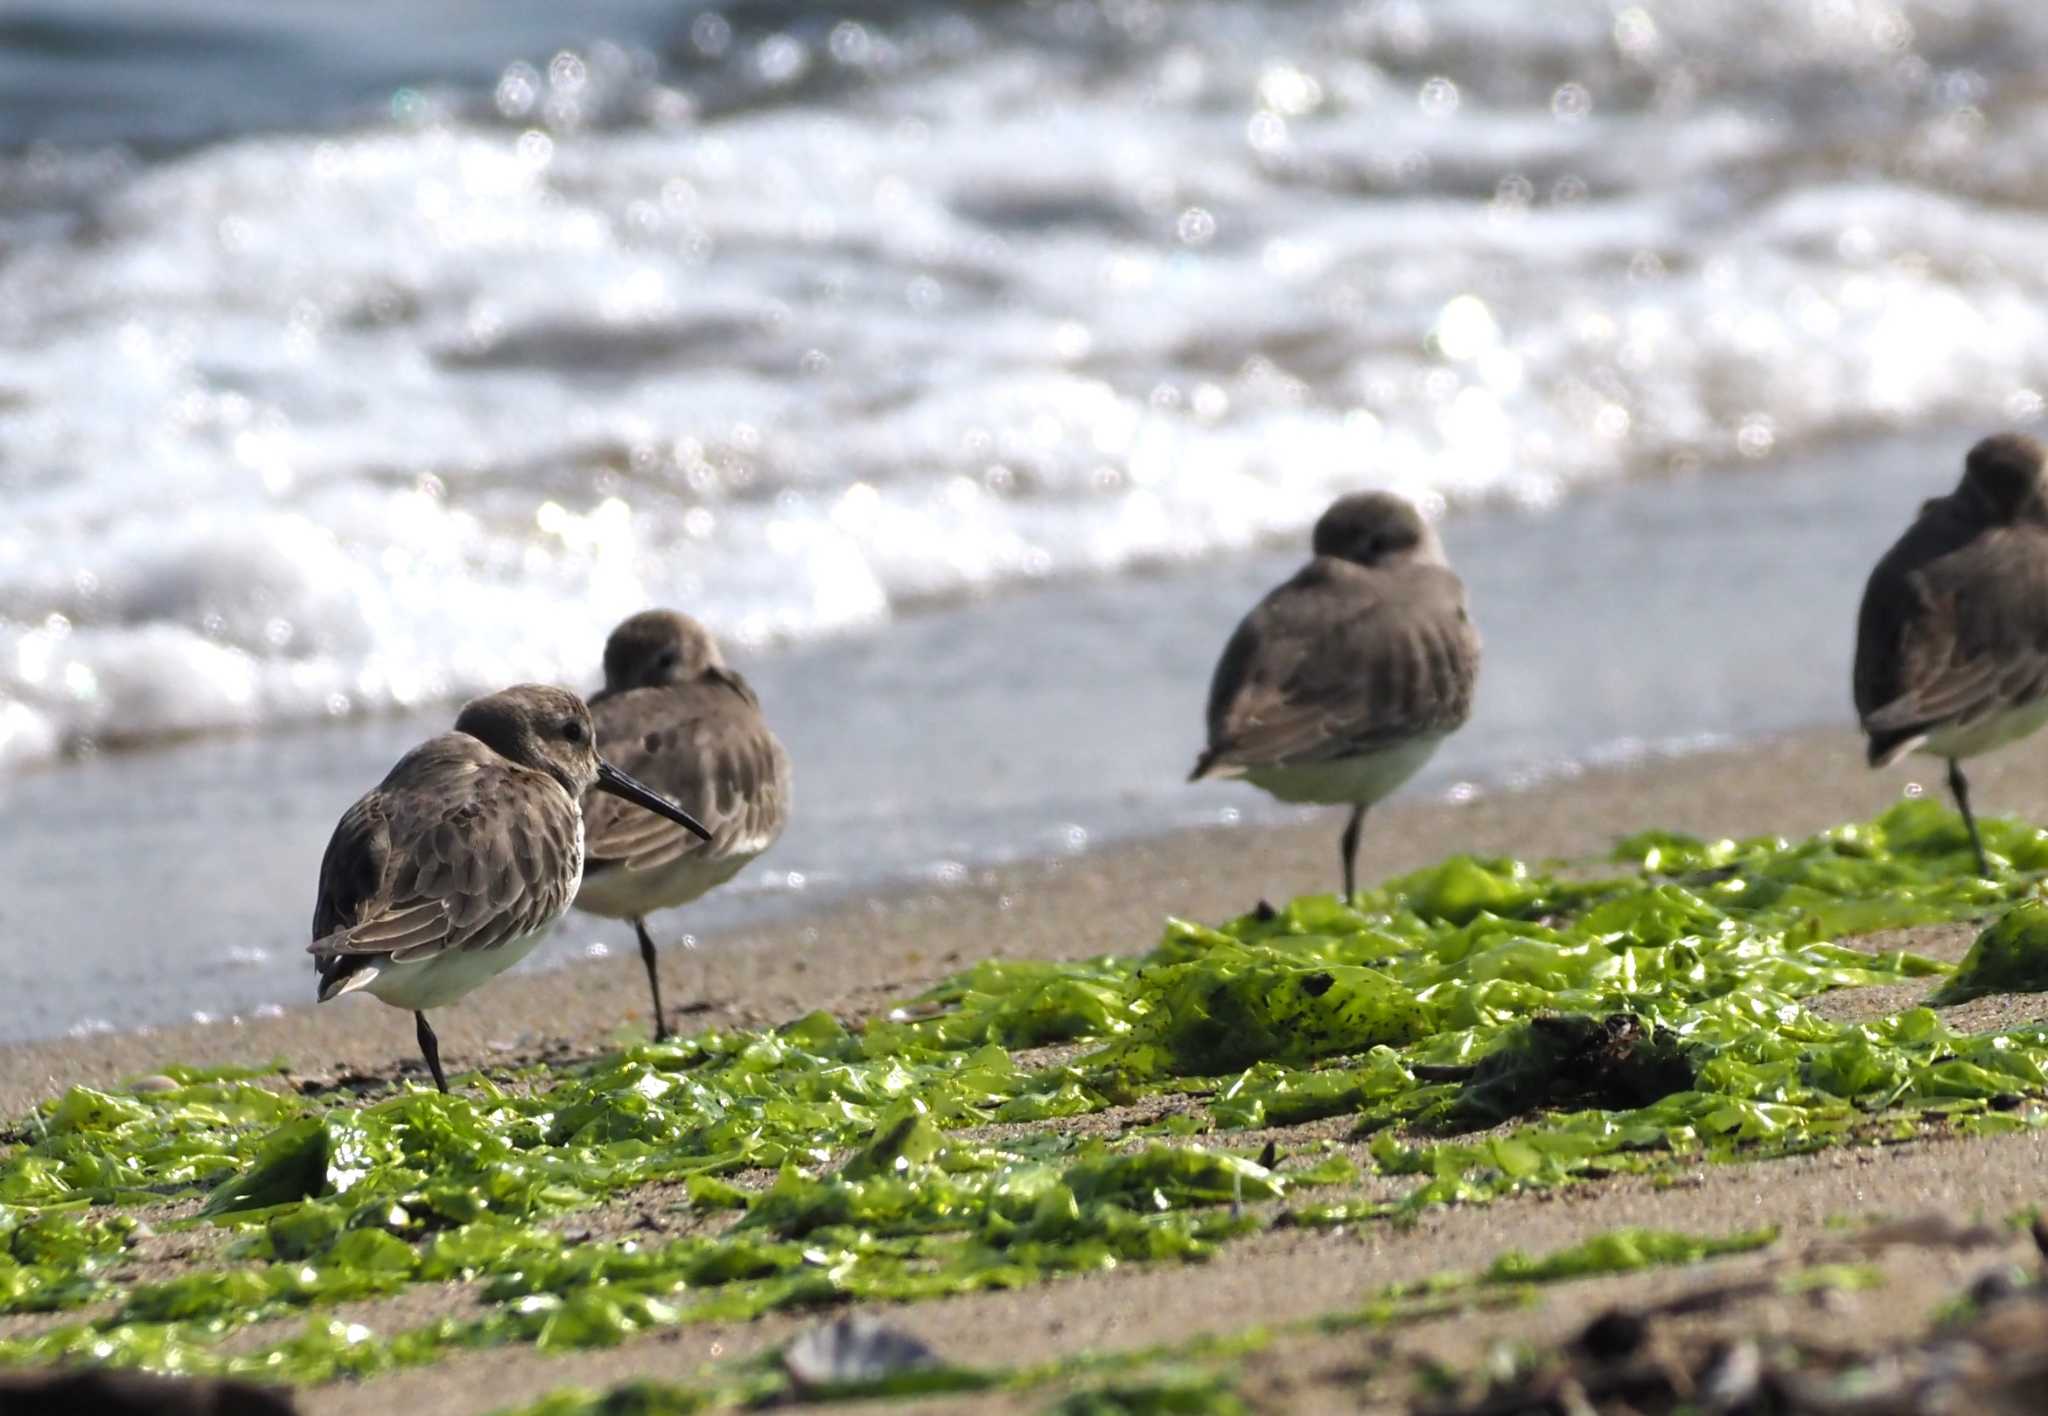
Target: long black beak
<point>611,779</point>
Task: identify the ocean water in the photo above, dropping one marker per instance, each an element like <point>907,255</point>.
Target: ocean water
<point>1646,618</point>
<point>969,368</point>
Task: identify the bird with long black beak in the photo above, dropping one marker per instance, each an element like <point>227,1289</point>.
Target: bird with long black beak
<point>453,868</point>
<point>678,717</point>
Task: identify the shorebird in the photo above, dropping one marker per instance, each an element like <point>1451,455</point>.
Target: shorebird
<point>1952,640</point>
<point>1343,681</point>
<point>451,870</point>
<point>674,715</point>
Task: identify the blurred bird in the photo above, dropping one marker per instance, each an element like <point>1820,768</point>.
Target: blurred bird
<point>674,715</point>
<point>450,871</point>
<point>1342,682</point>
<point>1952,640</point>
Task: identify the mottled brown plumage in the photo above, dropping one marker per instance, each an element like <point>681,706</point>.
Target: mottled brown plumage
<point>674,715</point>
<point>1952,637</point>
<point>1341,683</point>
<point>447,874</point>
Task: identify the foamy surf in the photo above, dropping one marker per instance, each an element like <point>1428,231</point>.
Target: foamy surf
<point>808,323</point>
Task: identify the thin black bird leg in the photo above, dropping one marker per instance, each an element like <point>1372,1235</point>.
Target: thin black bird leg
<point>653,979</point>
<point>430,1048</point>
<point>1961,790</point>
<point>1350,848</point>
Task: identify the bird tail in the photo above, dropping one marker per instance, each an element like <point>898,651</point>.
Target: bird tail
<point>345,973</point>
<point>1211,763</point>
<point>1887,747</point>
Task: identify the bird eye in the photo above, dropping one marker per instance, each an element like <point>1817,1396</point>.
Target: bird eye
<point>665,660</point>
<point>572,730</point>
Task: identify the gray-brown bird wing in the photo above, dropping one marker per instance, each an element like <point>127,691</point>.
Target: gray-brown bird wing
<point>456,849</point>
<point>1953,627</point>
<point>1343,660</point>
<point>705,745</point>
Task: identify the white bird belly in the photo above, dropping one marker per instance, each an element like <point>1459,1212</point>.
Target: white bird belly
<point>1360,780</point>
<point>438,981</point>
<point>1994,730</point>
<point>622,893</point>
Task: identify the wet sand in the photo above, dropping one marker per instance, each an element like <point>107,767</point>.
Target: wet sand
<point>1623,617</point>
<point>857,959</point>
<point>863,953</point>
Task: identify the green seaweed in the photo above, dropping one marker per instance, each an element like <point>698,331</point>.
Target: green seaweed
<point>2009,956</point>
<point>1175,1394</point>
<point>1571,1062</point>
<point>1625,1251</point>
<point>1169,1383</point>
<point>1196,1374</point>
<point>919,1155</point>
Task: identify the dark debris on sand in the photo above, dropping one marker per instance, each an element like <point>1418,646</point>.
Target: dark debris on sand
<point>1570,1062</point>
<point>1989,1359</point>
<point>103,1393</point>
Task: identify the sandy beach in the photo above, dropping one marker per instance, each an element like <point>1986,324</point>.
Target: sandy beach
<point>869,952</point>
<point>969,371</point>
<point>857,960</point>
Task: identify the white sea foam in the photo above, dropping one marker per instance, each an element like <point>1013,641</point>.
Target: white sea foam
<point>801,323</point>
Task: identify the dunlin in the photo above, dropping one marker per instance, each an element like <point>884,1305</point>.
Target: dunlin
<point>451,870</point>
<point>1342,682</point>
<point>674,715</point>
<point>1952,641</point>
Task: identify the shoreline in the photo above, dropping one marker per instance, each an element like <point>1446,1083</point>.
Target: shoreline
<point>1283,1284</point>
<point>1075,707</point>
<point>860,954</point>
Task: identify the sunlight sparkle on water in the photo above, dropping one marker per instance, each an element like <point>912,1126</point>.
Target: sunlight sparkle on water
<point>1465,329</point>
<point>1159,270</point>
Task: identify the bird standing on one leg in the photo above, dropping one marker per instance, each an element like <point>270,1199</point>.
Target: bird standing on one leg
<point>1342,682</point>
<point>1952,639</point>
<point>675,716</point>
<point>451,870</point>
